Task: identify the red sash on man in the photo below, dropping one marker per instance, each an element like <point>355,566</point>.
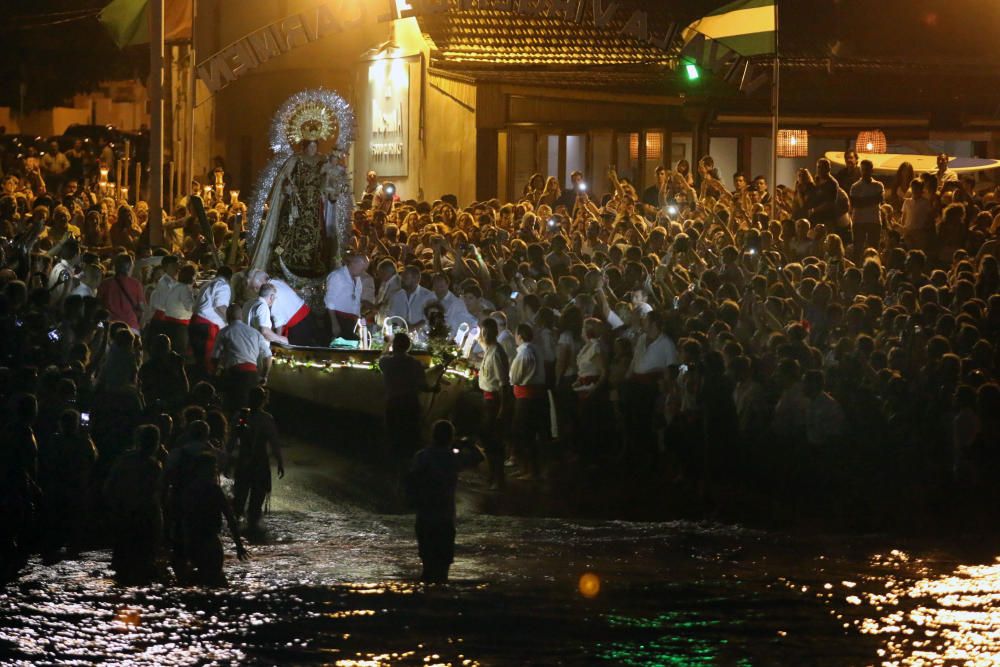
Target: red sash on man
<point>300,314</point>
<point>529,391</point>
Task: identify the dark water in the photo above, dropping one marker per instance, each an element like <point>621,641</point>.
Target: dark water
<point>333,585</point>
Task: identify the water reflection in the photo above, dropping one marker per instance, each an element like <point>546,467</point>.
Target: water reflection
<point>334,585</point>
<point>946,619</point>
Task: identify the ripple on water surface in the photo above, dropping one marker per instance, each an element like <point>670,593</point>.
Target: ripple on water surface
<point>335,587</point>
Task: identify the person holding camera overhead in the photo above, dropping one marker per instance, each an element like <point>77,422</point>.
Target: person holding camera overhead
<point>384,197</point>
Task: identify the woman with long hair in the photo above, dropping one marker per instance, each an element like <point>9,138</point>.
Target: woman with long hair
<point>124,233</point>
<point>804,186</point>
<point>900,191</point>
<point>550,194</point>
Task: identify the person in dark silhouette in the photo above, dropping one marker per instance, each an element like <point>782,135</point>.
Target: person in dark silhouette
<point>404,380</point>
<point>179,474</point>
<point>254,440</point>
<point>202,505</point>
<point>18,484</point>
<point>65,463</point>
<point>133,491</point>
<point>431,485</point>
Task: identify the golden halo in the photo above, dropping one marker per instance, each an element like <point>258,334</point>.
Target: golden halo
<point>311,121</point>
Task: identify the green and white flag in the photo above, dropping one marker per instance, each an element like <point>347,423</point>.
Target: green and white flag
<point>128,21</point>
<point>745,26</point>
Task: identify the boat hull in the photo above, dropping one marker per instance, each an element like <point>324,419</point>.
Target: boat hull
<point>349,381</point>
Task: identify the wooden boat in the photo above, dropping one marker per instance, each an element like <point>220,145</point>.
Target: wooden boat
<point>349,380</point>
<point>888,163</point>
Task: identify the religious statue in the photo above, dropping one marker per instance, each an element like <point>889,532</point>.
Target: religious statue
<point>299,204</point>
<point>303,203</point>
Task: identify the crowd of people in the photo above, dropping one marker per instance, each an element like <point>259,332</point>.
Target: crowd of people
<point>828,341</point>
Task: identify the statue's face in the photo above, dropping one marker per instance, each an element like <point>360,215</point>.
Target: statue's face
<point>312,148</point>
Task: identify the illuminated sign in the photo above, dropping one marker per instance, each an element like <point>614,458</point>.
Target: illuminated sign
<point>389,96</point>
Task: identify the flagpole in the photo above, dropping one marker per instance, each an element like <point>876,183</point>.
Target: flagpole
<point>775,99</point>
<point>156,38</point>
<point>185,186</point>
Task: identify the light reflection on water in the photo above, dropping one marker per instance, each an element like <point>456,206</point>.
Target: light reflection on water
<point>334,586</point>
<point>940,619</point>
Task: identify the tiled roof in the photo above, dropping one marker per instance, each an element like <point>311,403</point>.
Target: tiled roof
<point>653,80</point>
<point>484,36</point>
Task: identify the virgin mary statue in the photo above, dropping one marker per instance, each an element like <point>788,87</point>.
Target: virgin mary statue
<point>301,220</point>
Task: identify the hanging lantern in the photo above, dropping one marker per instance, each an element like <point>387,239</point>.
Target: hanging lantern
<point>871,141</point>
<point>793,143</point>
<point>654,145</point>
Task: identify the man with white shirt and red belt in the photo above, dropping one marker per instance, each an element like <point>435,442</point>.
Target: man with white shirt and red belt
<point>654,353</point>
<point>531,404</point>
<point>292,317</point>
<point>494,382</point>
<point>343,296</point>
<point>209,317</point>
<point>154,325</point>
<point>178,306</point>
<point>244,357</point>
<point>408,302</point>
<point>259,314</point>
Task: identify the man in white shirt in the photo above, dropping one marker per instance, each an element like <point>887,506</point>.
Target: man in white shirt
<point>209,317</point>
<point>90,280</point>
<point>409,301</point>
<point>454,309</point>
<point>60,280</point>
<point>505,338</point>
<point>389,284</point>
<point>259,316</point>
<point>654,353</point>
<point>154,320</point>
<point>244,357</point>
<point>943,173</point>
<point>178,306</point>
<point>531,405</point>
<point>494,382</point>
<point>292,317</point>
<point>343,296</point>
